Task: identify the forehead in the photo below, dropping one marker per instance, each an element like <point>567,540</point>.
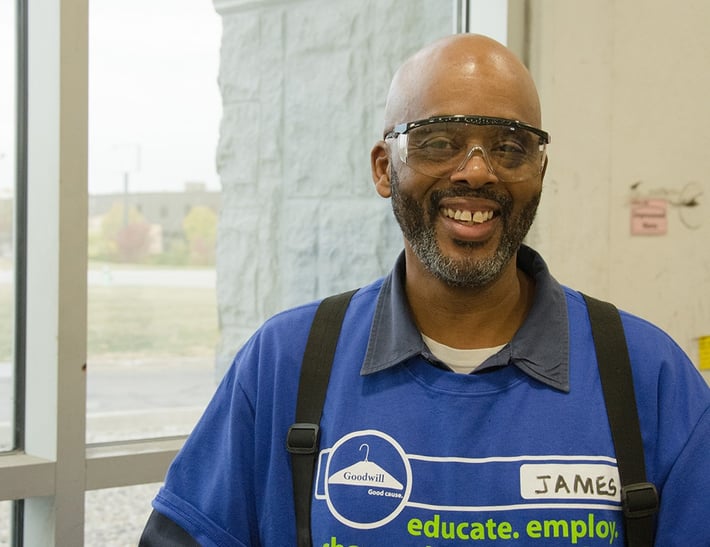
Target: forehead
<point>471,92</point>
<point>462,82</point>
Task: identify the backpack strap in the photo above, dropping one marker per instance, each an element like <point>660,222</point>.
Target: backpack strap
<point>639,498</point>
<point>303,435</point>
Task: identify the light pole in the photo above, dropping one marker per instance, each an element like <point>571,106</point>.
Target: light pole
<point>128,159</point>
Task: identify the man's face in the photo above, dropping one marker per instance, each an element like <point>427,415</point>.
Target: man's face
<point>464,226</point>
<point>462,252</point>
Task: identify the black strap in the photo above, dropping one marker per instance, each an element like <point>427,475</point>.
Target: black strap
<point>303,436</point>
<point>639,498</point>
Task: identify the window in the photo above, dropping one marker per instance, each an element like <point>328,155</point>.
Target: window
<point>154,110</point>
<point>96,428</point>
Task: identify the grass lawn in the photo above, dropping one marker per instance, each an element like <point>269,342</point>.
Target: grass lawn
<point>137,322</point>
<point>147,321</point>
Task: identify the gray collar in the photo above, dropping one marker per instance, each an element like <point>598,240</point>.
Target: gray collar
<point>540,348</point>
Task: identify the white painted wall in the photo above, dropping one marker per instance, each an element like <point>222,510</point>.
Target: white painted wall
<point>625,88</point>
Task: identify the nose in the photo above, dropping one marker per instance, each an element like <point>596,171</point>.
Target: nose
<point>475,168</point>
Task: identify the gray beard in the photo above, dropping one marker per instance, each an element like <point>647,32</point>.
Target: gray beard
<point>418,229</point>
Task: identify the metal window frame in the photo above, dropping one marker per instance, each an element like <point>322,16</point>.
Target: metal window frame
<point>20,254</point>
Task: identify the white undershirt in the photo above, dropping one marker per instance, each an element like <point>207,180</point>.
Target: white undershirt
<point>463,361</point>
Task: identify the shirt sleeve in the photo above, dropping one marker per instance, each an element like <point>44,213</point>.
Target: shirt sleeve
<point>684,516</point>
<point>208,489</point>
<point>674,410</point>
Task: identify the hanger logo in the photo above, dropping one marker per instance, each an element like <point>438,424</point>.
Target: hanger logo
<point>366,473</point>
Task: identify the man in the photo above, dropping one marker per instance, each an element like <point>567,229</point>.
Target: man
<point>464,402</point>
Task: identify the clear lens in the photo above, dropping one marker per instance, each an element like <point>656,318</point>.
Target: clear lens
<point>513,154</point>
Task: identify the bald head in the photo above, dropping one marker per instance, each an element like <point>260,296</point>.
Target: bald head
<point>462,74</point>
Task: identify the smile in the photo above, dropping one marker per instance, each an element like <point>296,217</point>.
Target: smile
<point>473,217</point>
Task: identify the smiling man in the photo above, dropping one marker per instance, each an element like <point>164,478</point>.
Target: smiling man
<point>465,181</point>
<point>464,401</point>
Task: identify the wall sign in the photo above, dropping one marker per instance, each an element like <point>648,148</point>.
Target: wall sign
<point>649,217</point>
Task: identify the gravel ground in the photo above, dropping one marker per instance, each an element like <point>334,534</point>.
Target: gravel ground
<point>114,517</point>
<point>5,523</point>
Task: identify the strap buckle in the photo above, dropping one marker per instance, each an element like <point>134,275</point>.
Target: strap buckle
<point>639,500</point>
<point>303,438</point>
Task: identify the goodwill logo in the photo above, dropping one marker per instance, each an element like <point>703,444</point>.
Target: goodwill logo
<point>352,479</point>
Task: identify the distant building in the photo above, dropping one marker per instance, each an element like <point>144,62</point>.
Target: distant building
<point>164,209</point>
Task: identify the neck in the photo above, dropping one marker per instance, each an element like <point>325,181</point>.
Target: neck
<point>469,318</point>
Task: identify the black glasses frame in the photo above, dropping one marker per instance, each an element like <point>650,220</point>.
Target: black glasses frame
<point>405,127</point>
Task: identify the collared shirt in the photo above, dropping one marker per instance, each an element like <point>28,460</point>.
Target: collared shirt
<point>540,347</point>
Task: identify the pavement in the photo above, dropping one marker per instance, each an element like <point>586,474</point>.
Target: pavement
<point>123,393</point>
<point>133,399</point>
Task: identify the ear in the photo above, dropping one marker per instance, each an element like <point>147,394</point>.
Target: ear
<point>380,165</point>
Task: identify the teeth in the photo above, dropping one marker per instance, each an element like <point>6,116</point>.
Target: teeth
<point>480,217</point>
<point>476,217</point>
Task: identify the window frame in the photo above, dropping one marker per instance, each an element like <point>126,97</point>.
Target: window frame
<point>52,466</point>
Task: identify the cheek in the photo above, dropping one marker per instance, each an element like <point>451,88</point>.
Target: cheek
<point>413,185</point>
<point>525,192</point>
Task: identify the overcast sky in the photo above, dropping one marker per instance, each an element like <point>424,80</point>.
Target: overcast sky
<point>154,103</point>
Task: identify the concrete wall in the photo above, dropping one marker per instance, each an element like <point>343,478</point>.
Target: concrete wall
<point>625,87</point>
<point>303,86</point>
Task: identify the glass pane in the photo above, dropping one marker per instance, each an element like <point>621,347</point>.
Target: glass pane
<point>116,516</point>
<point>154,197</point>
<point>7,206</point>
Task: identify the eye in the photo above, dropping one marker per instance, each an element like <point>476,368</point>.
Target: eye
<point>438,142</point>
<point>508,147</point>
<point>513,145</point>
<point>509,153</point>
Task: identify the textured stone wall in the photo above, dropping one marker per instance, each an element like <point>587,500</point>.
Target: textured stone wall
<point>303,86</point>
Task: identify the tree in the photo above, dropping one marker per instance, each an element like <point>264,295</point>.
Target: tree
<point>200,228</point>
<point>126,237</point>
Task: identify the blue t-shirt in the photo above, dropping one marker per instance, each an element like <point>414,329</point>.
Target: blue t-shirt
<point>414,454</point>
